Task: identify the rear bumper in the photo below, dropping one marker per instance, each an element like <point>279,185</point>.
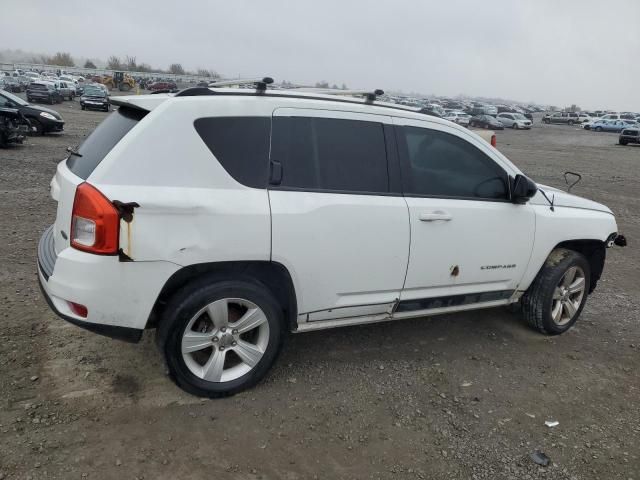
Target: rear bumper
<point>119,296</point>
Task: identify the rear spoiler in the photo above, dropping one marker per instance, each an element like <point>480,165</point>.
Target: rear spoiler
<point>144,103</point>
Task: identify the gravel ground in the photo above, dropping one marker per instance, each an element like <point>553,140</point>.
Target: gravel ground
<point>461,396</point>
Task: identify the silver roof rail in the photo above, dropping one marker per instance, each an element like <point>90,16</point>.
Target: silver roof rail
<point>369,95</point>
<point>260,83</point>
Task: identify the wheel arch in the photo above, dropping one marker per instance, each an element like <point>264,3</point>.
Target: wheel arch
<point>595,253</point>
<point>271,274</point>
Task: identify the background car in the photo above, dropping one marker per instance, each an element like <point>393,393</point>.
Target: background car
<point>43,120</point>
<point>43,91</point>
<point>629,135</point>
<point>460,118</point>
<point>568,118</point>
<point>162,86</point>
<point>67,90</point>
<point>514,120</point>
<point>94,98</point>
<point>605,125</point>
<point>485,121</point>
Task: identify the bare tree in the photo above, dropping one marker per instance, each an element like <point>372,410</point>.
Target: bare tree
<point>130,62</point>
<point>176,69</point>
<point>63,59</point>
<point>114,63</point>
<point>89,64</point>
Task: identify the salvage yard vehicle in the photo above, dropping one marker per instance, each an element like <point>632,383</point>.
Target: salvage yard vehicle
<point>629,135</point>
<point>13,126</point>
<point>611,125</point>
<point>461,118</point>
<point>225,218</point>
<point>94,98</point>
<point>43,91</point>
<point>486,121</point>
<point>42,120</point>
<point>568,118</point>
<point>514,120</point>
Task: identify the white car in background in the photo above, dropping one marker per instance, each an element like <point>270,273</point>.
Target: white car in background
<point>514,120</point>
<point>461,118</point>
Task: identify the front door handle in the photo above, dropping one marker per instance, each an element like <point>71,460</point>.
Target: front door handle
<point>437,215</point>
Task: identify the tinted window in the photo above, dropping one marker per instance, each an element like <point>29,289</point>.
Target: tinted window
<point>241,145</point>
<point>331,154</point>
<point>443,165</point>
<point>102,140</point>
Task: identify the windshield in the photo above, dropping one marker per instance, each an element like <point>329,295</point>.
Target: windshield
<point>93,90</point>
<point>13,98</point>
<point>519,116</point>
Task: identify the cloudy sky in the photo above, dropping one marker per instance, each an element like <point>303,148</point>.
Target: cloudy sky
<point>548,51</point>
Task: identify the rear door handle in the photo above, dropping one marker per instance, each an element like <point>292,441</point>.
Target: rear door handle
<point>437,215</point>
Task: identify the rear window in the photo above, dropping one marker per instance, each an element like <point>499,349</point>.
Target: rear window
<point>241,145</point>
<point>102,140</point>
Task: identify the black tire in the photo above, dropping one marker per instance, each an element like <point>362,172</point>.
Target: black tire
<point>187,302</point>
<point>515,126</point>
<point>598,129</point>
<point>37,129</point>
<point>51,101</point>
<point>570,122</point>
<point>82,107</point>
<point>538,299</point>
<point>622,141</point>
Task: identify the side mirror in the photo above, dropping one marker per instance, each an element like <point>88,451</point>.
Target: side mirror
<point>522,189</point>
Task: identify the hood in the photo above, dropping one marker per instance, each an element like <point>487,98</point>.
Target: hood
<point>38,109</point>
<point>564,199</point>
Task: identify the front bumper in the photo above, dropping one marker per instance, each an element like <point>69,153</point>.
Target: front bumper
<point>119,296</point>
<point>51,125</point>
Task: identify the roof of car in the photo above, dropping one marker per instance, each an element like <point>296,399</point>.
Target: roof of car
<point>151,101</point>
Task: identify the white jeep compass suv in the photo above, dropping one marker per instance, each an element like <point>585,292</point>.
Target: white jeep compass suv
<point>225,218</point>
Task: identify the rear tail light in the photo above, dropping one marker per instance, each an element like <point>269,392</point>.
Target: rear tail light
<point>95,224</point>
<point>494,141</point>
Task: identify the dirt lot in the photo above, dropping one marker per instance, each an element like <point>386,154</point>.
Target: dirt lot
<point>452,397</point>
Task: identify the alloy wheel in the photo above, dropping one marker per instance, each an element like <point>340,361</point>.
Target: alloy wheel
<point>567,296</point>
<point>225,340</point>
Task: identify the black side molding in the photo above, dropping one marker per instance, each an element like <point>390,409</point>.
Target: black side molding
<point>452,300</point>
<point>127,334</point>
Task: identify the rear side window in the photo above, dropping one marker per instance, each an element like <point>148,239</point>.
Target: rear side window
<point>241,145</point>
<point>102,140</point>
<point>328,154</point>
<point>438,164</point>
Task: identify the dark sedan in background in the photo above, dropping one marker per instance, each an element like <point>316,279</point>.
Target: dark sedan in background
<point>43,120</point>
<point>485,121</point>
<point>94,97</point>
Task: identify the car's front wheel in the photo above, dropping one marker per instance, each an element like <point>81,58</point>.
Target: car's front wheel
<point>598,129</point>
<point>221,337</point>
<point>622,141</point>
<point>515,126</point>
<point>553,302</point>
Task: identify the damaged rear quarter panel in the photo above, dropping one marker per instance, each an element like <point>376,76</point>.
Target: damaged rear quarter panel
<point>195,225</point>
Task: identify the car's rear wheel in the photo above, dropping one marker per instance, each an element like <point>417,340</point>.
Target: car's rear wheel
<point>570,122</point>
<point>598,129</point>
<point>221,337</point>
<point>555,299</point>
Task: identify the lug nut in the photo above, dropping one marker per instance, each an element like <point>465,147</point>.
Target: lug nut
<point>234,343</point>
<point>215,339</point>
<point>235,331</point>
<point>221,349</point>
<point>223,329</point>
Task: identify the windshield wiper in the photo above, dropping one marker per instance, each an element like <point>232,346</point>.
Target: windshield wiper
<point>72,151</point>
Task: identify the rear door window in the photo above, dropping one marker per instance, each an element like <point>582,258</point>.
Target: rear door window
<point>330,154</point>
<point>102,140</point>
